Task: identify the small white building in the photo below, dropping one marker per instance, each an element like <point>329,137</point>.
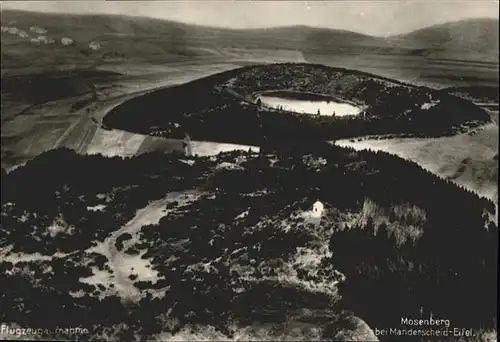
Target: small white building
<point>23,34</point>
<point>4,29</point>
<point>13,30</point>
<point>94,46</point>
<point>34,41</point>
<point>318,209</point>
<point>66,41</point>
<point>38,29</point>
<point>43,39</point>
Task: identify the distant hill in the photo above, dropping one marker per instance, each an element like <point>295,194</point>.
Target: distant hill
<point>123,39</point>
<point>95,26</point>
<point>475,39</point>
<point>139,38</point>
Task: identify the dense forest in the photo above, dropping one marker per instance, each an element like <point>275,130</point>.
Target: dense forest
<point>485,94</point>
<point>206,107</point>
<point>407,242</point>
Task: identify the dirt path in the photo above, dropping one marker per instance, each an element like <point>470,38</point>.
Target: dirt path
<point>124,265</point>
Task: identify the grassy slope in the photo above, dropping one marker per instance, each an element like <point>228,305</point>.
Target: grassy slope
<point>466,159</point>
<point>156,40</point>
<point>459,53</point>
<point>159,41</point>
<point>475,39</point>
<point>116,35</point>
<point>29,128</point>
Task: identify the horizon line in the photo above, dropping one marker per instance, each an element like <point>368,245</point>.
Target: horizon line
<point>319,27</point>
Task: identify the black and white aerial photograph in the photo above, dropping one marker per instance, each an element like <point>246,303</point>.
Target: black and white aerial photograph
<point>237,170</point>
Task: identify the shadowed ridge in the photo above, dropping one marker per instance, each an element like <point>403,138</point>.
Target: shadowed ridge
<point>470,39</point>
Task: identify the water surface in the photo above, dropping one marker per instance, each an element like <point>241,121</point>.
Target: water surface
<point>308,103</point>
